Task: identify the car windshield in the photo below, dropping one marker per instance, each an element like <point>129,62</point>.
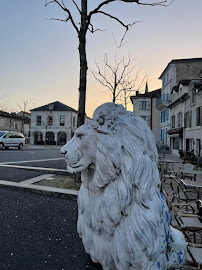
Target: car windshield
<point>2,133</point>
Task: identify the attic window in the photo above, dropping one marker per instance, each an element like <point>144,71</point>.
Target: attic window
<point>51,107</point>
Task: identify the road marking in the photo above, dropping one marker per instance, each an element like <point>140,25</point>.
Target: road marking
<point>28,161</point>
<point>34,168</point>
<point>36,179</point>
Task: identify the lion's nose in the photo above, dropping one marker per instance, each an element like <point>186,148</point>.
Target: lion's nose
<point>63,151</point>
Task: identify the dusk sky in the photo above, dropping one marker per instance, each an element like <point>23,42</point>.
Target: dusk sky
<point>39,58</point>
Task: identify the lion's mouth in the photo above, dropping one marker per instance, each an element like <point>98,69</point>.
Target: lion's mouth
<point>76,166</point>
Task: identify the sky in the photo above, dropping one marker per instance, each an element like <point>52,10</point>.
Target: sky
<point>39,59</point>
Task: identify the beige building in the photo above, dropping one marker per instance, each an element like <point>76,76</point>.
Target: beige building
<point>144,105</point>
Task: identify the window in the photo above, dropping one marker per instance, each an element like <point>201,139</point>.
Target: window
<point>192,96</point>
<point>179,119</point>
<point>74,121</point>
<point>188,119</point>
<point>148,105</point>
<point>199,116</point>
<point>15,125</point>
<point>162,134</point>
<point>164,81</point>
<point>142,105</point>
<point>38,120</point>
<point>50,120</point>
<point>62,121</point>
<point>173,121</point>
<point>176,143</point>
<point>2,122</point>
<point>167,115</point>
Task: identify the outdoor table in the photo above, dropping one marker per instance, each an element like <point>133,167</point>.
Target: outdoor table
<point>194,172</point>
<point>167,161</point>
<point>195,184</point>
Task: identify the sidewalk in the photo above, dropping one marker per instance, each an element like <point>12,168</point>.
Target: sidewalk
<point>47,147</point>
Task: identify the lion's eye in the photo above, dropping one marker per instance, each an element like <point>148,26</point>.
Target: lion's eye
<point>80,135</point>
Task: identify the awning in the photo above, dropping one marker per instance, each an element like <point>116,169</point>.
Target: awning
<point>175,131</point>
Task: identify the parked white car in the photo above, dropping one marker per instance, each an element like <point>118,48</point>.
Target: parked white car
<point>11,139</point>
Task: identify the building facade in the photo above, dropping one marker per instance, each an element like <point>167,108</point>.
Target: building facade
<point>53,124</point>
<point>15,122</point>
<point>176,71</point>
<point>144,106</point>
<point>186,117</point>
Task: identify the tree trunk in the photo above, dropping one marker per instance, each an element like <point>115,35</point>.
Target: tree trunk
<point>83,64</point>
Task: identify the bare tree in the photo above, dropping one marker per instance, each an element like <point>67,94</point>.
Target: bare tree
<point>117,78</point>
<point>84,25</point>
<point>129,86</point>
<point>23,106</point>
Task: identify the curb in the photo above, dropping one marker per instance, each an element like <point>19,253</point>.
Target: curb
<point>41,169</point>
<point>58,192</point>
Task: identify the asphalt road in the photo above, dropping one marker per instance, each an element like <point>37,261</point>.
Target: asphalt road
<point>38,232</point>
<point>31,157</point>
<point>12,154</point>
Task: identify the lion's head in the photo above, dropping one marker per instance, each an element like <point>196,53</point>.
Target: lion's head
<point>114,144</point>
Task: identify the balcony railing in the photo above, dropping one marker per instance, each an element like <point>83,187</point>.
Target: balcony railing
<point>163,101</point>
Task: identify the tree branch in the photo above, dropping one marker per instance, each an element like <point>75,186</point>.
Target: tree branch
<point>62,6</point>
<point>92,30</point>
<point>76,6</point>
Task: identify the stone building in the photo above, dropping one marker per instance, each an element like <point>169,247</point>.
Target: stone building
<point>144,106</point>
<point>176,71</point>
<point>186,117</point>
<point>15,122</point>
<point>53,124</point>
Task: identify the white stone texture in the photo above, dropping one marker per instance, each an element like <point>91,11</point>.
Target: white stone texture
<point>123,218</point>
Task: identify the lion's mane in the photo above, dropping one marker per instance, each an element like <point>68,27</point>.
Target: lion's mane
<point>123,218</point>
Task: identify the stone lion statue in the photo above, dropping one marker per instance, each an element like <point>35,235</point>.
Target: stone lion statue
<point>123,218</point>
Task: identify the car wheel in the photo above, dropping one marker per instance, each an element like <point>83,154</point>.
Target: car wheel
<point>6,147</point>
<point>20,146</point>
<point>1,145</point>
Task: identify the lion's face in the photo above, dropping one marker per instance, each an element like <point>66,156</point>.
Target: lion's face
<point>80,152</point>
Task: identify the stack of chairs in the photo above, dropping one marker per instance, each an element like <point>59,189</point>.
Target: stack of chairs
<point>184,205</point>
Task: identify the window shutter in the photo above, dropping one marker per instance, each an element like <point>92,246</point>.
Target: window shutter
<point>167,114</point>
<point>148,105</point>
<point>197,116</point>
<point>200,116</point>
<point>190,118</point>
<point>140,105</point>
<point>185,120</point>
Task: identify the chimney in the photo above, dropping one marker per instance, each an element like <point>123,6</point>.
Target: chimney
<point>137,93</point>
<point>146,88</point>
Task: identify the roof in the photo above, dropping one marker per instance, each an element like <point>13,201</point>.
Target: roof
<point>175,131</point>
<point>183,82</point>
<point>25,119</point>
<point>154,94</point>
<point>54,106</point>
<point>176,61</point>
<point>179,100</point>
